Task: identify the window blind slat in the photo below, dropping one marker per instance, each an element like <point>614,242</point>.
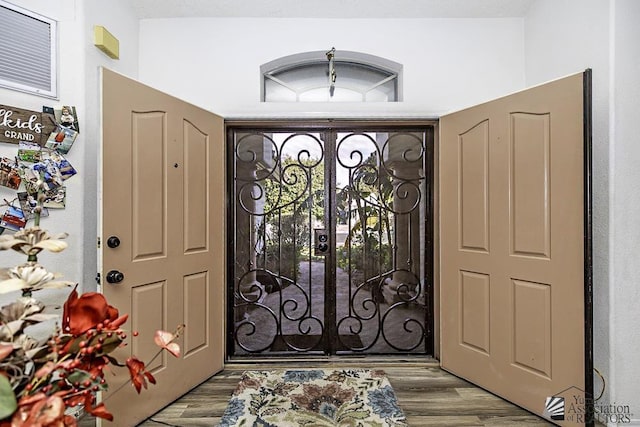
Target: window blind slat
<point>13,59</point>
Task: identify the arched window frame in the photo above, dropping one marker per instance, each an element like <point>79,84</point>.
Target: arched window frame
<point>376,63</point>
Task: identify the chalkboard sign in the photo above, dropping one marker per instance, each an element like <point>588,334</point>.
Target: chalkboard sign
<point>18,125</point>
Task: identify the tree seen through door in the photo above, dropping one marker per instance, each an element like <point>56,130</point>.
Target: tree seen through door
<point>369,292</point>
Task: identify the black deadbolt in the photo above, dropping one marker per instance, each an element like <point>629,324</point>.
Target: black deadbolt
<point>113,242</point>
<point>114,276</point>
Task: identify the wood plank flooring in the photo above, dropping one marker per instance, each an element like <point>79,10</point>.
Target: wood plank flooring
<point>428,395</point>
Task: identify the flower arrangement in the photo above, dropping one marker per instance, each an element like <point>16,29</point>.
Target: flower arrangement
<point>40,379</point>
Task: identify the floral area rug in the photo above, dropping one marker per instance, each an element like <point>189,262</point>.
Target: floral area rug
<point>314,398</point>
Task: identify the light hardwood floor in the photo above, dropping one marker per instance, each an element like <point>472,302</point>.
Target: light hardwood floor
<point>428,395</point>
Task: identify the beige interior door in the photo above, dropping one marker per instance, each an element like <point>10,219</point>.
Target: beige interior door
<point>512,247</point>
<point>163,198</point>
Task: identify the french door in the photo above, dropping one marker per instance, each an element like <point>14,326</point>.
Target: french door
<point>331,239</point>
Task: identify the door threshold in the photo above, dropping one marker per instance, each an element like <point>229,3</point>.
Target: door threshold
<point>333,361</point>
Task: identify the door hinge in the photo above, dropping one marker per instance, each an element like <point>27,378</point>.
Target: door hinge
<point>98,278</point>
<point>99,242</point>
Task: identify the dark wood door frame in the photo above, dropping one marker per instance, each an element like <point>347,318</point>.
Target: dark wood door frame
<point>334,126</point>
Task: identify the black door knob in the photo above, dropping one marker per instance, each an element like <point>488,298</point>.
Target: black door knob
<point>114,276</point>
<point>113,242</point>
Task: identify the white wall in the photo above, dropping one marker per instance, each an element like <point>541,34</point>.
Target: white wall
<point>71,92</point>
<point>625,204</point>
<point>567,36</point>
<point>120,20</point>
<point>78,85</point>
<point>448,63</point>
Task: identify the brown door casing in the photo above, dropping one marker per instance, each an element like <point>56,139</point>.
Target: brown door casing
<point>512,200</point>
<point>163,197</point>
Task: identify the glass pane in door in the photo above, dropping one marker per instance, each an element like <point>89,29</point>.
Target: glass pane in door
<point>279,281</point>
<point>331,242</point>
<point>381,227</point>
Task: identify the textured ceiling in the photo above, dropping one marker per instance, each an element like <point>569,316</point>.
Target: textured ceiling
<point>147,9</point>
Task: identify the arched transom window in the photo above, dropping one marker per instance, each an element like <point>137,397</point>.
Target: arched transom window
<point>331,76</point>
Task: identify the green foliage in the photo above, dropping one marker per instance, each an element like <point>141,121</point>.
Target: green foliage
<point>283,244</point>
<point>369,257</point>
<point>289,197</point>
<point>367,200</point>
<point>298,187</point>
<point>8,403</point>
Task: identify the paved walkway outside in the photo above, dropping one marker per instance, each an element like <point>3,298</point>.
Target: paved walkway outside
<point>400,325</point>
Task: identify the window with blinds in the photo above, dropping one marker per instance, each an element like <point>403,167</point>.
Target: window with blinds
<point>27,51</point>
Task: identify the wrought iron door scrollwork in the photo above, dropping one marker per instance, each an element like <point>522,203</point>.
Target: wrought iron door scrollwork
<point>368,194</point>
<point>274,199</point>
<point>383,200</point>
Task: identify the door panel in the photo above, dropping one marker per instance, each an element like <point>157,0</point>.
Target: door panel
<point>474,188</point>
<point>162,196</point>
<point>530,185</point>
<point>196,189</point>
<point>148,148</point>
<point>512,245</point>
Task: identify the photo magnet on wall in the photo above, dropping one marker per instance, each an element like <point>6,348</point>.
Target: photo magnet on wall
<point>59,162</point>
<point>30,178</point>
<point>13,219</point>
<point>28,203</point>
<point>9,175</point>
<point>67,118</point>
<point>61,139</point>
<point>56,198</point>
<point>29,152</point>
<point>46,171</point>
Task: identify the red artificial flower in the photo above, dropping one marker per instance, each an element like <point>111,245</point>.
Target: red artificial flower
<point>28,400</point>
<point>46,370</point>
<point>42,411</point>
<point>87,312</point>
<point>93,365</point>
<point>138,374</point>
<point>99,411</point>
<point>5,350</point>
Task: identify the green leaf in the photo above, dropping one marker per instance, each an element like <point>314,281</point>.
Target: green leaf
<point>109,344</point>
<point>8,403</point>
<point>74,347</point>
<point>79,376</point>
